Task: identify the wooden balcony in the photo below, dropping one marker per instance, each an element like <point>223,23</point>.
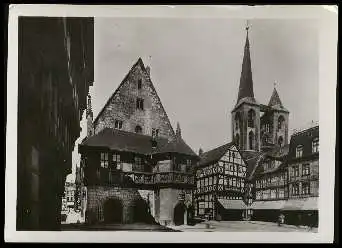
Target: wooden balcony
<point>150,179</point>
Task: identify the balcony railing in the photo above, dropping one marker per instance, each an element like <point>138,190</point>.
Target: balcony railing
<point>147,178</point>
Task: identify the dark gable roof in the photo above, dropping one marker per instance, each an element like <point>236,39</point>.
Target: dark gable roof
<point>305,139</point>
<point>214,155</point>
<point>177,145</point>
<point>118,140</point>
<point>141,63</point>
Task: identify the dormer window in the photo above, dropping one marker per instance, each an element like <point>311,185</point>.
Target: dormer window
<point>299,151</point>
<point>140,104</point>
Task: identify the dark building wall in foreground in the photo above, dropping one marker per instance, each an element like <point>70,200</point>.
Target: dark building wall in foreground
<point>55,72</point>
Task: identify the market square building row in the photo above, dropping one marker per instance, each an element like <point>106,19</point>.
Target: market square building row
<point>135,167</point>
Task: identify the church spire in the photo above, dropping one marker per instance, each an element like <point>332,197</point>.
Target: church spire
<point>275,99</point>
<point>246,81</point>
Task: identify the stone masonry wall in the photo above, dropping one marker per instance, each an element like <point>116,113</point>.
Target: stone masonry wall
<point>168,199</point>
<point>97,196</point>
<point>122,107</point>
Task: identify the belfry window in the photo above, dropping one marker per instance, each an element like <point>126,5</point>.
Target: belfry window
<point>237,120</point>
<point>251,118</point>
<point>281,122</point>
<point>251,140</point>
<point>280,141</point>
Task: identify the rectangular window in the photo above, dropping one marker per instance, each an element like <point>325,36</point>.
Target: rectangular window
<point>306,169</point>
<point>234,182</point>
<point>137,164</point>
<point>104,159</point>
<point>295,189</point>
<point>305,188</point>
<point>118,124</point>
<point>206,182</point>
<point>140,103</point>
<point>315,145</point>
<point>116,161</point>
<point>296,170</point>
<point>299,151</point>
<point>155,132</point>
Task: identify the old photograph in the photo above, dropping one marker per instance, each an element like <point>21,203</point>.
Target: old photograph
<point>159,124</point>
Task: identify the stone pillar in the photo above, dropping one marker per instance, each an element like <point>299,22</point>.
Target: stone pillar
<point>186,216</point>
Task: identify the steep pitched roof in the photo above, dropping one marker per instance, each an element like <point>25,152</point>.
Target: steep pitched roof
<point>141,64</point>
<point>275,99</point>
<point>214,155</point>
<point>275,102</point>
<point>246,80</point>
<point>304,138</point>
<point>122,141</point>
<point>177,145</point>
<point>137,143</point>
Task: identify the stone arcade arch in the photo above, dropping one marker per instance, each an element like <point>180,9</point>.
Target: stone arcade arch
<point>113,211</point>
<point>180,214</point>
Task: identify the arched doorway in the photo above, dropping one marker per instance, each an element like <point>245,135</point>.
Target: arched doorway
<point>142,212</point>
<point>112,211</point>
<point>179,214</point>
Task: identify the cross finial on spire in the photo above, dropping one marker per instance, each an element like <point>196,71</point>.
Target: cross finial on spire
<point>247,25</point>
<point>275,83</point>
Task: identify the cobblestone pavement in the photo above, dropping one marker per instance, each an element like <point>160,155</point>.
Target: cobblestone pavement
<point>241,226</point>
<point>139,227</point>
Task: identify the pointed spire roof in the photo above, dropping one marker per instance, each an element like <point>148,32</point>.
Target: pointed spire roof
<point>275,99</point>
<point>246,80</point>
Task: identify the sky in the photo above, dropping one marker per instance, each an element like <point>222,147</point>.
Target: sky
<point>196,66</point>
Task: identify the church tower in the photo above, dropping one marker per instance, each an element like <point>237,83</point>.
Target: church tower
<point>274,123</point>
<point>89,115</point>
<point>246,113</point>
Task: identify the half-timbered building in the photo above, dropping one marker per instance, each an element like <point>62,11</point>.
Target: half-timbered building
<point>220,184</point>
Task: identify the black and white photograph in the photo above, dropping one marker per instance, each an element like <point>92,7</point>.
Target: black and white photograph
<point>212,121</point>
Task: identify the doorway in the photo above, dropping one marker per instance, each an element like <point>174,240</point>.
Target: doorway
<point>112,211</point>
<point>179,214</point>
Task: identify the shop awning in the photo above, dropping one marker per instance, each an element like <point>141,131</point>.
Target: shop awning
<point>310,203</point>
<point>268,205</point>
<point>232,204</point>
